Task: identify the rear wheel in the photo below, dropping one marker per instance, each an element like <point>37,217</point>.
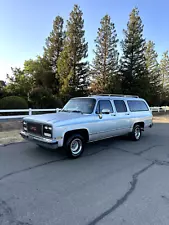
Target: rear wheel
<point>136,133</point>
<point>74,146</point>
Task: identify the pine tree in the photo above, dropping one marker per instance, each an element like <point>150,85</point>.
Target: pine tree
<point>54,46</point>
<point>105,63</point>
<point>164,68</point>
<point>153,73</point>
<point>54,43</point>
<point>133,64</point>
<point>72,64</point>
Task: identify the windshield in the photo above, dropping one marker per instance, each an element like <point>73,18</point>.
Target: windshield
<point>83,105</point>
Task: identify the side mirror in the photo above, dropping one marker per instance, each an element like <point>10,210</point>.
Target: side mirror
<point>105,111</point>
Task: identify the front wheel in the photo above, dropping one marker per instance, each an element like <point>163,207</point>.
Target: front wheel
<point>74,146</point>
<point>136,133</point>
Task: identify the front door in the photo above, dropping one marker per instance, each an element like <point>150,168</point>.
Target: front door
<point>104,121</point>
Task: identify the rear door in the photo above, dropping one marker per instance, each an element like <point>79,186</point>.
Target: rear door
<point>122,117</point>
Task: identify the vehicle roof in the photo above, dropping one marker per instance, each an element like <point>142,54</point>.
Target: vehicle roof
<point>107,97</point>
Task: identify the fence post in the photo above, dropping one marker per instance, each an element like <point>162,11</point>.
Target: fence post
<point>30,111</point>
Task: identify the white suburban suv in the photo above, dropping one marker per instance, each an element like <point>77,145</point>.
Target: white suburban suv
<point>88,119</point>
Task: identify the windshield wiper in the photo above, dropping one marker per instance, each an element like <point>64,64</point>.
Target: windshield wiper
<point>77,111</point>
<point>65,110</point>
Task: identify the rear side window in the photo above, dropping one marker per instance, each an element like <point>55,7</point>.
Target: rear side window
<point>103,104</point>
<point>120,106</point>
<point>137,106</point>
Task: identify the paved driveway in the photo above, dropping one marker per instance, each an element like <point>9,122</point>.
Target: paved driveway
<point>117,181</point>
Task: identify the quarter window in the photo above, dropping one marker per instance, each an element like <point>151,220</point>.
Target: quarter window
<point>103,104</point>
<point>137,106</point>
<point>120,106</point>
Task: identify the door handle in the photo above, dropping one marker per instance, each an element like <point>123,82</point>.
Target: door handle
<point>113,114</point>
<point>127,113</point>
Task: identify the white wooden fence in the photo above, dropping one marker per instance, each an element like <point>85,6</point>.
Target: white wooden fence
<point>19,111</point>
<point>159,109</point>
<point>30,112</point>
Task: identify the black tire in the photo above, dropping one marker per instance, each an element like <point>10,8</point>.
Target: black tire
<point>136,133</point>
<point>78,141</point>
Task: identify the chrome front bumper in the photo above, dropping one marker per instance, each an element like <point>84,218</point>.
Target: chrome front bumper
<point>45,142</point>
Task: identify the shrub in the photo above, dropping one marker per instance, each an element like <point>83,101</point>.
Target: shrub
<point>13,102</point>
<point>42,98</point>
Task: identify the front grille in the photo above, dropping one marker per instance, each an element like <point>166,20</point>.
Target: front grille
<point>34,128</point>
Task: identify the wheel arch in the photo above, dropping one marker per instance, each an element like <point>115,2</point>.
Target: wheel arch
<point>82,131</point>
<point>141,123</point>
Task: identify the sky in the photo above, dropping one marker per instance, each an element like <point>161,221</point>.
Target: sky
<point>24,24</point>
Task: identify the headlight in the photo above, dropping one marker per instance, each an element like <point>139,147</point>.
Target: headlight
<point>25,126</point>
<point>47,128</point>
<point>47,131</point>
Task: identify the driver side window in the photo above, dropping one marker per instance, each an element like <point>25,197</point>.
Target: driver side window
<point>103,104</point>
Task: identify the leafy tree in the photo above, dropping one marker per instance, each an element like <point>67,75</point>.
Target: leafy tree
<point>41,71</point>
<point>153,73</point>
<point>72,64</point>
<point>41,97</point>
<point>164,68</point>
<point>105,63</point>
<point>133,63</point>
<point>44,69</point>
<point>19,83</point>
<point>2,85</point>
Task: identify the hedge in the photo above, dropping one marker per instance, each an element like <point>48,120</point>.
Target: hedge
<point>13,102</point>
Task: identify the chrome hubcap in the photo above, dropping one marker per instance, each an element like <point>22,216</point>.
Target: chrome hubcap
<point>137,133</point>
<point>76,146</point>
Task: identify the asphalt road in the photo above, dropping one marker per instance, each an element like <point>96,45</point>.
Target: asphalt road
<point>117,182</point>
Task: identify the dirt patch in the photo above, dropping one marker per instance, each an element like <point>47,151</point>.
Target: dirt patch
<point>10,137</point>
<point>10,125</point>
<point>161,119</point>
<point>9,131</point>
